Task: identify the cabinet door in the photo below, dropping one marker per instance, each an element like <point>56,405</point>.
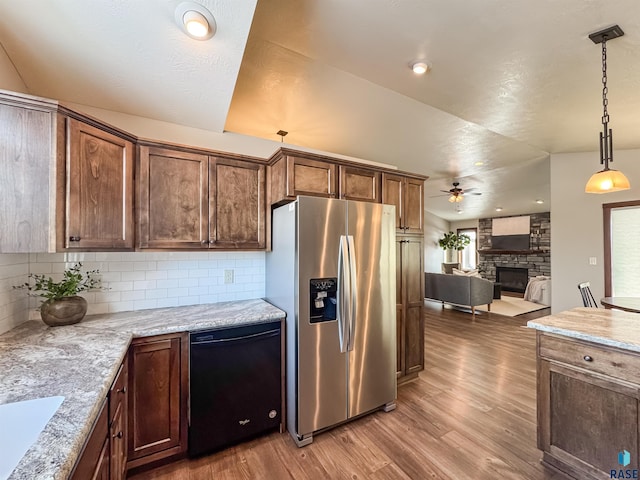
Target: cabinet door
<point>413,286</point>
<point>118,408</point>
<point>400,327</point>
<point>99,210</point>
<point>393,194</point>
<point>585,419</point>
<point>236,204</point>
<point>407,194</point>
<point>173,196</point>
<point>158,385</point>
<point>93,462</point>
<point>26,166</point>
<point>310,177</point>
<point>360,184</point>
<point>413,205</point>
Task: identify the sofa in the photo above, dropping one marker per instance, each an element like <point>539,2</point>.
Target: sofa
<point>458,290</point>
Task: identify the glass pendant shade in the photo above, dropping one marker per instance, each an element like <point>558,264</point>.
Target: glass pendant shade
<point>455,198</point>
<point>606,181</point>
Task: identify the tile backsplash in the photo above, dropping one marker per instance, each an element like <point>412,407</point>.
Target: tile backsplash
<point>136,280</point>
<point>14,268</point>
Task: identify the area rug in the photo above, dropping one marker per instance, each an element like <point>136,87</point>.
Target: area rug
<point>512,306</point>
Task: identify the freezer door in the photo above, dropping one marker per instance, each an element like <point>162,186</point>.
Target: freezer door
<point>372,360</point>
<point>321,367</point>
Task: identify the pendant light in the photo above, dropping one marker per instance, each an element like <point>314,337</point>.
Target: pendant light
<point>606,180</point>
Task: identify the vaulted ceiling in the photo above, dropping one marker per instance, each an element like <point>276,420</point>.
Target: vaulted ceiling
<point>510,81</point>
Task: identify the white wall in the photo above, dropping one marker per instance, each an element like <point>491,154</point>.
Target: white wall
<point>9,77</point>
<point>135,280</point>
<point>577,224</point>
<point>454,226</point>
<point>434,228</point>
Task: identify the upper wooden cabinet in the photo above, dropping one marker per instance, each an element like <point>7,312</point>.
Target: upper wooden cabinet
<point>98,210</point>
<point>407,194</point>
<point>27,173</point>
<point>236,204</point>
<point>193,201</point>
<point>360,184</point>
<point>173,210</point>
<point>292,176</point>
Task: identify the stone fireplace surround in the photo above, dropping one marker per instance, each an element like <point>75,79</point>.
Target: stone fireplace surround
<point>537,260</point>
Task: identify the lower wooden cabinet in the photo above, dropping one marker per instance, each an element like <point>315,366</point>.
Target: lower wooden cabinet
<point>409,306</point>
<point>104,455</point>
<point>158,389</point>
<point>588,408</point>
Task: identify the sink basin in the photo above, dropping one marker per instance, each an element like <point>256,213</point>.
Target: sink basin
<point>20,425</point>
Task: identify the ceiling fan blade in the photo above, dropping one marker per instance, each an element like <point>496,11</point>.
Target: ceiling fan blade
<point>474,193</point>
<point>469,189</point>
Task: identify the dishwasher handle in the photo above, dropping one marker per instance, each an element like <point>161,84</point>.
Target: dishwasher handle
<point>210,340</point>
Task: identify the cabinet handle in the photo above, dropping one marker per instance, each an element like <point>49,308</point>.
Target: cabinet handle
<point>74,239</point>
<point>122,390</point>
<point>587,358</point>
<point>118,435</point>
<point>206,242</point>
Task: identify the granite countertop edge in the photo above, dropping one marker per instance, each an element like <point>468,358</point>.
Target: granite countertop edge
<point>40,461</point>
<point>612,328</point>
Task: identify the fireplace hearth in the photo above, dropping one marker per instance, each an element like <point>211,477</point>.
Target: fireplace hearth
<point>512,279</point>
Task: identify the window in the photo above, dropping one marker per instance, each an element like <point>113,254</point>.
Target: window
<point>469,256</point>
<point>621,254</point>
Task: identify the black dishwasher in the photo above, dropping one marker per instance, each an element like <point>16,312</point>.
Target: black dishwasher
<point>235,385</point>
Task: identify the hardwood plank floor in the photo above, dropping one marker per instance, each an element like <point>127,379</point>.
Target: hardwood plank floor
<point>470,415</point>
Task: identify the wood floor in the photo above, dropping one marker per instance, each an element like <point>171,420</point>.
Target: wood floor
<point>470,415</point>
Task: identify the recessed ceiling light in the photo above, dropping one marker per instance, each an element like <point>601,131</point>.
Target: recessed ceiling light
<point>498,209</point>
<point>420,68</point>
<point>539,202</point>
<point>479,164</point>
<point>195,20</point>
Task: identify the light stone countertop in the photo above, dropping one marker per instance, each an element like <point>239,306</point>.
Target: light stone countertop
<point>614,328</point>
<point>80,363</point>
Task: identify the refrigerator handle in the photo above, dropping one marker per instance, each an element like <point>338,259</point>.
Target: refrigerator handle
<point>344,284</point>
<point>353,300</point>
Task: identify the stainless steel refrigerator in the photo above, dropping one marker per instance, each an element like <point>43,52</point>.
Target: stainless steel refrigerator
<point>332,268</point>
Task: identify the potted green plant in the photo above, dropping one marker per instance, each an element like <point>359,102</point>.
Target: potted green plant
<point>452,243</point>
<point>63,305</point>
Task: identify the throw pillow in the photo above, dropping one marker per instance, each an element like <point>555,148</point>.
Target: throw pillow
<point>468,273</point>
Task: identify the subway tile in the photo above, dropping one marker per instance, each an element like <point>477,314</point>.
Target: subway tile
<point>156,275</point>
<point>133,276</point>
<point>121,306</point>
<point>156,293</point>
<point>132,295</point>
<point>144,284</point>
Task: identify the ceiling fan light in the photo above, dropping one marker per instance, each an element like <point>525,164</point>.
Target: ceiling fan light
<point>606,181</point>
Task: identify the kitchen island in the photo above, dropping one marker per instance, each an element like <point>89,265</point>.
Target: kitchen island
<point>588,388</point>
<point>80,362</point>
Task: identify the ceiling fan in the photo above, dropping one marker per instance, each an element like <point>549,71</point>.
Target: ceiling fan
<point>456,194</point>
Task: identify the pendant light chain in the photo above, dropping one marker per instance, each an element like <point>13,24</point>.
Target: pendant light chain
<point>607,179</point>
<point>605,90</point>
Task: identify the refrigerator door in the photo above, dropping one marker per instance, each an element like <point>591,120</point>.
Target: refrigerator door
<point>321,367</point>
<point>372,361</point>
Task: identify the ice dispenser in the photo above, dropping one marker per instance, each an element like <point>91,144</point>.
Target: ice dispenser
<point>322,293</point>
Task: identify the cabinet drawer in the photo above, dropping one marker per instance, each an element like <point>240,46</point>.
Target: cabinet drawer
<point>596,358</point>
<point>117,394</point>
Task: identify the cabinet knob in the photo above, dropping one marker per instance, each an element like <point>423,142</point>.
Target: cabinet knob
<point>122,390</point>
<point>118,435</point>
<point>587,358</point>
<point>74,239</point>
